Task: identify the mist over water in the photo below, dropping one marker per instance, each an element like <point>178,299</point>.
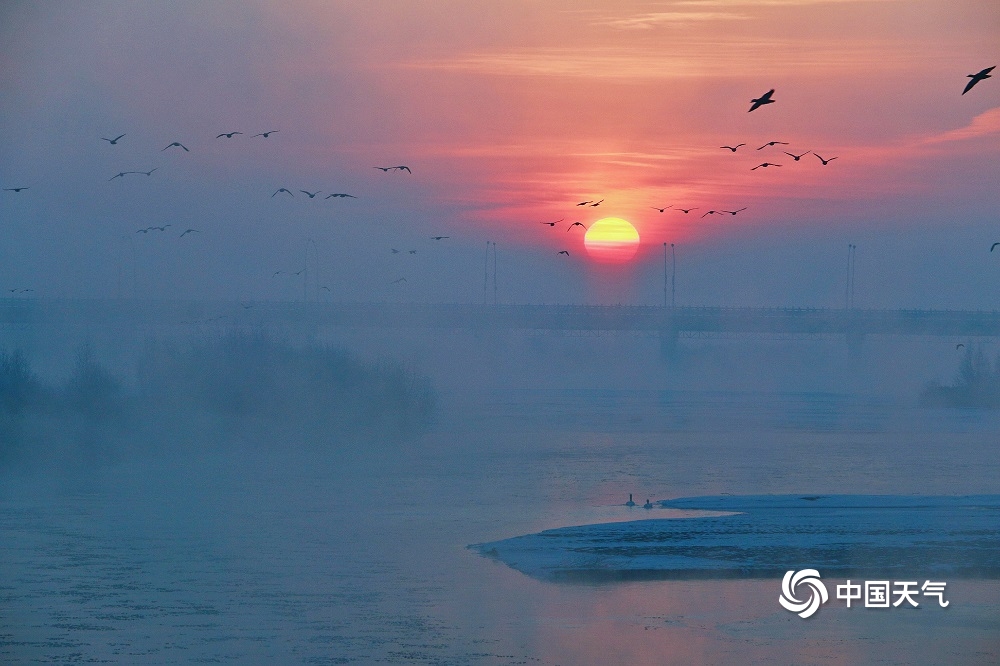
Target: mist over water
<point>225,496</point>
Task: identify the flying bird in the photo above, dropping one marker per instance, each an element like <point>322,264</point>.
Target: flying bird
<point>686,210</point>
<point>15,189</point>
<point>282,189</point>
<point>163,228</point>
<point>566,252</point>
<point>114,141</point>
<point>825,162</point>
<point>264,134</point>
<point>120,174</point>
<point>145,173</point>
<point>773,143</point>
<point>438,238</point>
<point>977,77</point>
<point>585,203</point>
<point>733,148</point>
<point>178,144</point>
<point>394,250</point>
<point>413,251</point>
<point>596,203</point>
<point>189,231</point>
<point>142,231</point>
<point>277,273</point>
<point>660,209</point>
<point>228,135</point>
<point>402,168</point>
<point>576,224</point>
<point>993,247</point>
<point>959,345</point>
<point>765,165</point>
<point>796,157</point>
<point>762,100</point>
<point>402,279</point>
<point>311,195</point>
<point>733,212</point>
<point>711,212</point>
<point>341,195</point>
<point>323,286</point>
<point>246,306</point>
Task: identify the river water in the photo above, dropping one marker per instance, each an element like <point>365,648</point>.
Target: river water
<point>357,553</point>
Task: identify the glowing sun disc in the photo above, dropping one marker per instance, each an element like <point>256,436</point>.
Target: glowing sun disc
<point>611,240</point>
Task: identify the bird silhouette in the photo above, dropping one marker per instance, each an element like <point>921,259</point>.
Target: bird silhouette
<point>959,345</point>
<point>189,231</point>
<point>402,168</point>
<point>323,286</point>
<point>630,502</point>
<point>825,162</point>
<point>660,209</point>
<point>385,169</point>
<point>585,203</point>
<point>114,141</point>
<point>282,189</point>
<point>437,238</point>
<point>145,173</point>
<point>413,251</point>
<point>179,145</point>
<point>394,250</point>
<point>264,134</point>
<point>733,212</point>
<point>311,195</point>
<point>773,143</point>
<point>402,279</point>
<point>796,157</point>
<point>163,228</point>
<point>977,77</point>
<point>246,306</point>
<point>341,195</point>
<point>686,210</point>
<point>576,224</point>
<point>597,203</point>
<point>993,247</point>
<point>228,135</point>
<point>15,189</point>
<point>142,231</point>
<point>566,252</point>
<point>711,212</point>
<point>762,100</point>
<point>551,224</point>
<point>648,504</point>
<point>765,165</point>
<point>120,174</point>
<point>733,148</point>
<point>277,273</point>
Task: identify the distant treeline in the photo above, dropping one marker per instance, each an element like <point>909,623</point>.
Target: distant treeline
<point>977,384</point>
<point>237,387</point>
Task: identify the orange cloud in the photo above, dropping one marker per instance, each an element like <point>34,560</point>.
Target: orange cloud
<point>984,124</point>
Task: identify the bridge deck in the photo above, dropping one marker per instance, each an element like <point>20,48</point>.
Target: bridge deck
<point>779,321</point>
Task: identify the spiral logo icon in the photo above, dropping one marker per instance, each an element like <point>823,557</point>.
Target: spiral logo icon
<point>817,592</point>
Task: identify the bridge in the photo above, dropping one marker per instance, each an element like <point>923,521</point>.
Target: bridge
<point>670,323</point>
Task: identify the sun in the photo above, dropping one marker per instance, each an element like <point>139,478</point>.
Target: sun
<point>611,240</point>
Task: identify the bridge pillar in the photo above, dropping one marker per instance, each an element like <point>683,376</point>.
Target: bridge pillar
<point>669,342</point>
<point>855,343</point>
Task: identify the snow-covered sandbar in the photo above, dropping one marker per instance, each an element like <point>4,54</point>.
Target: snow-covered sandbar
<point>868,536</point>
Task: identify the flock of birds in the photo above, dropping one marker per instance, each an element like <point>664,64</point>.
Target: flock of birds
<point>755,103</point>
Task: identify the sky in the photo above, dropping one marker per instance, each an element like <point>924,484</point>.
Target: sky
<point>508,114</point>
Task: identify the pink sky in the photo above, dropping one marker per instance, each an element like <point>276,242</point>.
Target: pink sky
<point>509,114</point>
